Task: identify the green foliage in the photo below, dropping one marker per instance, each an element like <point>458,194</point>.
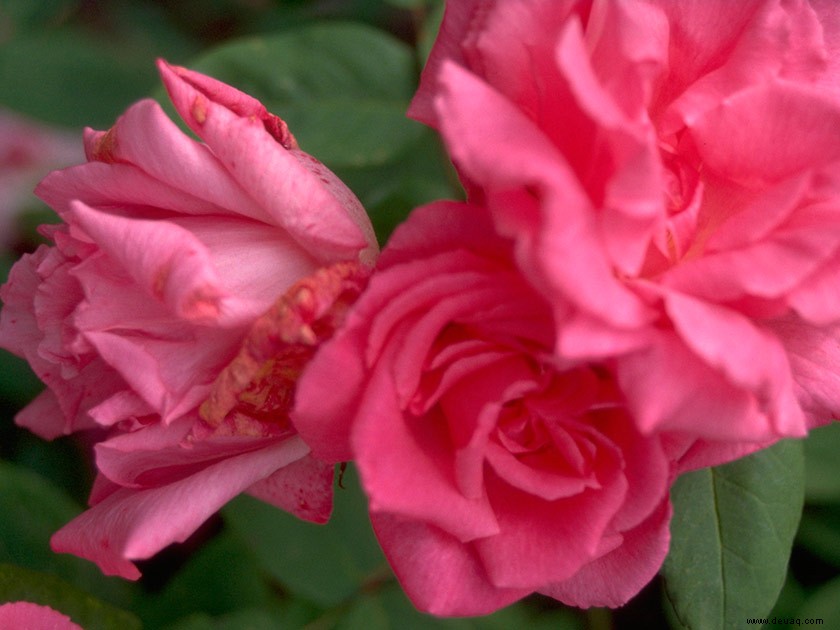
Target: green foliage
<point>27,16</point>
<point>339,570</point>
<point>732,532</point>
<point>76,64</point>
<point>342,88</point>
<point>220,578</point>
<point>249,619</point>
<point>18,384</point>
<point>822,465</point>
<point>325,564</point>
<point>55,75</point>
<point>33,509</point>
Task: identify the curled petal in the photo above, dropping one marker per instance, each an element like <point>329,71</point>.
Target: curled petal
<point>298,192</point>
<point>136,524</point>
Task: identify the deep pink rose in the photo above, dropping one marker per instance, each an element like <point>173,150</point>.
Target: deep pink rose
<point>187,287</point>
<point>26,615</point>
<point>670,172</point>
<point>28,151</point>
<point>494,468</point>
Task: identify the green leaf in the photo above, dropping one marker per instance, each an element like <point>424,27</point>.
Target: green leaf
<point>221,577</point>
<point>429,29</point>
<point>415,177</point>
<point>291,614</point>
<point>822,466</point>
<point>33,510</point>
<point>18,584</point>
<point>23,15</point>
<point>64,78</point>
<point>364,612</point>
<point>325,564</point>
<point>732,532</point>
<point>790,599</point>
<point>342,88</point>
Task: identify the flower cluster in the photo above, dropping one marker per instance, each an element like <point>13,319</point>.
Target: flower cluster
<point>641,283</point>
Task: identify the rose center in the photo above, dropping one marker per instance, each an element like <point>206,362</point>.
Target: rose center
<point>518,431</point>
<point>547,438</point>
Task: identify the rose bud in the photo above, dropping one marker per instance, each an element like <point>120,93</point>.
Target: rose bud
<point>186,287</point>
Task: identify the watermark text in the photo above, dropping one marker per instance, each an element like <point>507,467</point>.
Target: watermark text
<point>785,621</point>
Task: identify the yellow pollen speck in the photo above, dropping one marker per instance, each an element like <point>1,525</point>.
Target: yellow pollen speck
<point>199,109</point>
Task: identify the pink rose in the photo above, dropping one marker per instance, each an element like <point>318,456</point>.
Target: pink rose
<point>670,172</point>
<point>34,617</point>
<point>188,285</point>
<point>28,151</point>
<point>494,468</point>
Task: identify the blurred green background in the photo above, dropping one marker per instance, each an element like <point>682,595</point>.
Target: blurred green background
<point>341,73</point>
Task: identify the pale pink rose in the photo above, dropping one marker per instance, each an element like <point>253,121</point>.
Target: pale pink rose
<point>670,172</point>
<point>493,467</point>
<point>29,616</point>
<point>188,285</point>
<point>28,151</point>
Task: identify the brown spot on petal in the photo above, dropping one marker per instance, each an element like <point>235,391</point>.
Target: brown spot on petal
<point>105,148</point>
<point>254,394</point>
<point>279,130</point>
<point>159,281</point>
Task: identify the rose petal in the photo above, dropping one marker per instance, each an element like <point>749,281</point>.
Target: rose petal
<point>614,578</point>
<point>34,616</point>
<point>415,476</point>
<point>299,193</point>
<point>303,488</point>
<point>438,572</point>
<point>537,542</point>
<point>757,362</point>
<point>697,400</point>
<point>145,137</point>
<point>136,524</point>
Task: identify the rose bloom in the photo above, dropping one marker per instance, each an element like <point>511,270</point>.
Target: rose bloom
<point>34,616</point>
<point>186,288</point>
<point>669,172</point>
<point>28,151</point>
<point>494,468</point>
